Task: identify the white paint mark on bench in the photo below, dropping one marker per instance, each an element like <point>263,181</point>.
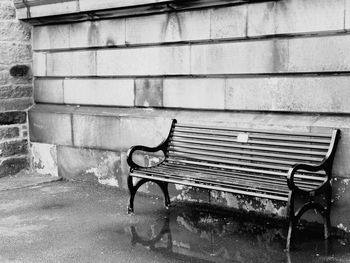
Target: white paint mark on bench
<point>242,137</point>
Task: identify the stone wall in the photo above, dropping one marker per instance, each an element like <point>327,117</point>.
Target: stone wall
<point>104,85</point>
<point>16,91</point>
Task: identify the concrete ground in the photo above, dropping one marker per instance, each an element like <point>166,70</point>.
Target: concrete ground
<point>45,220</point>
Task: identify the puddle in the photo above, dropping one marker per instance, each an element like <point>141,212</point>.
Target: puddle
<point>189,235</point>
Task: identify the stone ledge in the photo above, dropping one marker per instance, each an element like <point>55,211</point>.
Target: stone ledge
<point>49,11</point>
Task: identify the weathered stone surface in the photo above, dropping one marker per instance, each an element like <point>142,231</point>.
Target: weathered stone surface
<point>49,10</point>
<point>15,91</point>
<point>229,22</point>
<point>289,94</point>
<point>169,27</point>
<point>8,132</point>
<point>149,92</point>
<point>11,166</point>
<point>101,132</point>
<point>238,57</point>
<point>44,158</point>
<point>7,118</point>
<point>52,128</point>
<point>48,90</point>
<point>144,61</point>
<point>15,53</point>
<point>109,92</point>
<point>295,16</point>
<point>14,31</point>
<point>92,4</point>
<point>347,14</point>
<point>340,204</point>
<point>194,93</point>
<point>89,165</point>
<point>97,33</point>
<point>142,131</point>
<point>4,77</point>
<point>51,37</point>
<point>9,148</point>
<point>8,11</point>
<point>74,63</point>
<point>15,104</point>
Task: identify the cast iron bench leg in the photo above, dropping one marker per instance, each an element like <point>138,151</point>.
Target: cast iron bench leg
<point>292,220</point>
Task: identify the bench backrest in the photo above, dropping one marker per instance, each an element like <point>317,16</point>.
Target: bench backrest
<point>249,151</point>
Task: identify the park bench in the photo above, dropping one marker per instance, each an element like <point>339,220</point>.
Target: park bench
<point>269,164</point>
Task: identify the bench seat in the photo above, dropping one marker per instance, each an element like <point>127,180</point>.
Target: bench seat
<point>276,165</point>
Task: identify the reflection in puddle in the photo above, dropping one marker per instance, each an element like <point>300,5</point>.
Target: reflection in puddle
<point>197,236</point>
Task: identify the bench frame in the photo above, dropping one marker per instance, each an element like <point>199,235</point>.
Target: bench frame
<point>294,216</point>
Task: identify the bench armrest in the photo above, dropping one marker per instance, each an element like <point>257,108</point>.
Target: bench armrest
<point>306,167</point>
<point>325,165</point>
<point>161,147</point>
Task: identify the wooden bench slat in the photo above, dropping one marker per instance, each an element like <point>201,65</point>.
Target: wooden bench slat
<point>258,148</point>
<point>252,142</point>
<point>258,177</point>
<point>212,187</point>
<point>248,153</point>
<point>207,152</point>
<point>320,135</point>
<point>234,134</point>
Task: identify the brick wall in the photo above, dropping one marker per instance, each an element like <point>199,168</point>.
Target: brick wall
<point>15,89</point>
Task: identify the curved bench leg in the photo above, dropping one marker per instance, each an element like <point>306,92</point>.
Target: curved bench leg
<point>292,220</point>
<point>133,189</point>
<point>164,187</point>
<point>327,213</point>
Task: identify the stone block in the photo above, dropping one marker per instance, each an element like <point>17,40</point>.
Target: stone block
<point>15,104</point>
<point>295,16</point>
<point>102,132</point>
<point>169,27</point>
<point>237,57</point>
<point>147,61</point>
<point>149,92</point>
<point>97,33</point>
<point>318,54</point>
<point>39,64</point>
<point>194,93</point>
<point>74,63</point>
<point>13,147</point>
<point>8,11</point>
<point>86,5</point>
<point>15,31</point>
<point>50,127</point>
<point>8,132</point>
<point>51,37</point>
<point>13,165</point>
<point>284,94</point>
<point>347,14</point>
<point>44,158</point>
<point>229,22</point>
<point>48,90</point>
<point>15,53</point>
<point>4,77</point>
<point>8,92</point>
<point>143,131</point>
<point>15,117</point>
<point>107,92</point>
<point>89,165</point>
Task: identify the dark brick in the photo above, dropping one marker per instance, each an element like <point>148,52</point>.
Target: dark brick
<point>7,133</point>
<point>13,147</point>
<point>19,71</point>
<point>12,166</point>
<point>14,117</point>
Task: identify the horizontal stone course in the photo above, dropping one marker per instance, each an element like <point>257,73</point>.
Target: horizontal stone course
<point>15,91</point>
<point>48,90</point>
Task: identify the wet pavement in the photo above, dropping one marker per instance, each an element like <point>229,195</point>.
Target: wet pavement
<point>81,222</point>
